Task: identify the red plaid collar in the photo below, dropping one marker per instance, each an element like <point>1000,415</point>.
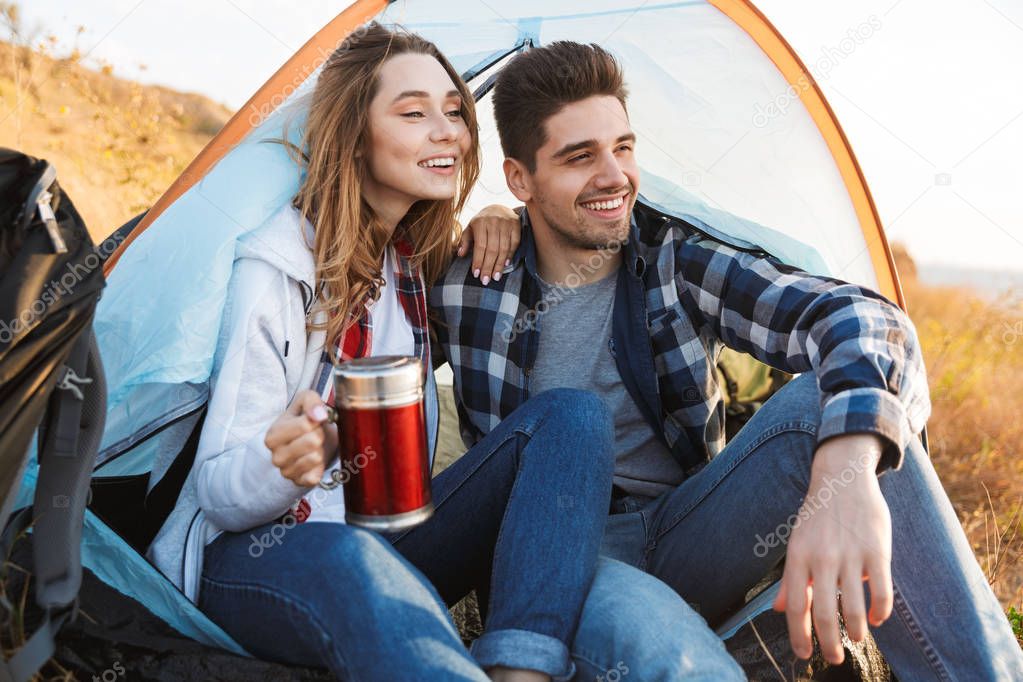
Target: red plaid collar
<point>357,342</point>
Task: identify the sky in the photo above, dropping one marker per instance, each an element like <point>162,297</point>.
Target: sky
<point>931,102</point>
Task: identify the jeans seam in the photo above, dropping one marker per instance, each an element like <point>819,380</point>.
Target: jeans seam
<point>325,643</point>
<point>767,434</point>
<point>586,658</point>
<point>500,532</point>
<point>910,622</point>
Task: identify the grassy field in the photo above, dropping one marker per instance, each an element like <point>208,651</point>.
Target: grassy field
<point>973,348</point>
<point>117,145</point>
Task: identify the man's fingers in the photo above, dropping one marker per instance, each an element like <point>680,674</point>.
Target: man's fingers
<point>780,598</point>
<point>795,582</point>
<point>853,610</point>
<point>879,573</point>
<point>825,613</point>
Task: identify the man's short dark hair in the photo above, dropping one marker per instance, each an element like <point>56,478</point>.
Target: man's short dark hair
<point>538,83</point>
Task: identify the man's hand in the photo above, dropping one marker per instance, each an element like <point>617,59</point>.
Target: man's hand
<point>493,234</point>
<point>843,537</point>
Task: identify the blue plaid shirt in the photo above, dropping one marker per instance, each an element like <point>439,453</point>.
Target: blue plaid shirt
<point>681,297</point>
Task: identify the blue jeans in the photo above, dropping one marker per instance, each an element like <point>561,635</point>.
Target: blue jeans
<point>634,627</point>
<point>946,623</point>
<point>520,517</point>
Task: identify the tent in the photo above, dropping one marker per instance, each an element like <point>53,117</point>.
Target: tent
<point>734,136</point>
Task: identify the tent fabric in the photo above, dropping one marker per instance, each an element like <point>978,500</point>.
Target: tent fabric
<point>697,95</point>
<point>699,86</point>
<point>694,105</point>
<point>115,563</point>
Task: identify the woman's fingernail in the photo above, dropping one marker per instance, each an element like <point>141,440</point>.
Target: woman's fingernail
<point>319,413</point>
<point>497,276</point>
<point>476,272</point>
<point>507,262</point>
<point>486,280</point>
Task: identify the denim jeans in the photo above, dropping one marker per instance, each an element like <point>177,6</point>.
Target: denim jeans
<point>636,628</point>
<point>723,529</point>
<point>520,517</point>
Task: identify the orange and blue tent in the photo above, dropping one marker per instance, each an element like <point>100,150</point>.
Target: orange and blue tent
<point>734,136</point>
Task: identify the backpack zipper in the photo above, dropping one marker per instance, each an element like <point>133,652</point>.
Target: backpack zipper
<point>49,219</point>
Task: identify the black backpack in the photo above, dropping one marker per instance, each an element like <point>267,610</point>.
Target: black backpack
<point>51,383</point>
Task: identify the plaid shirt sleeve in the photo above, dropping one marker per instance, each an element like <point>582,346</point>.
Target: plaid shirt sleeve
<point>862,347</point>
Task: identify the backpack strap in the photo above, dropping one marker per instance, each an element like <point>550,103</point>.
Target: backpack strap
<point>68,444</point>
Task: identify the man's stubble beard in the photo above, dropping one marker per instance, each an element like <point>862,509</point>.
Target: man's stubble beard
<point>578,240</point>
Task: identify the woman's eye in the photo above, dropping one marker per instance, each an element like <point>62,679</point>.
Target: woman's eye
<point>457,113</point>
<point>413,114</point>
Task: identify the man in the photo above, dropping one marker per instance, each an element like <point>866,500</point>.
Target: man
<point>607,295</point>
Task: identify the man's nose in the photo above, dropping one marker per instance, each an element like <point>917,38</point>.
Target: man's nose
<point>609,172</point>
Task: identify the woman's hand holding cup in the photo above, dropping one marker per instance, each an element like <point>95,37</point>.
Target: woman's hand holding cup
<point>303,441</point>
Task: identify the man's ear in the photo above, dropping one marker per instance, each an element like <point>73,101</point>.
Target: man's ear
<point>519,179</point>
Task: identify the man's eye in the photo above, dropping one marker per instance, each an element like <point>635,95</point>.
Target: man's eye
<point>580,157</point>
<point>625,148</point>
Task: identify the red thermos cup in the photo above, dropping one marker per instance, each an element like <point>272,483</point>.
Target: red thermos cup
<point>384,463</point>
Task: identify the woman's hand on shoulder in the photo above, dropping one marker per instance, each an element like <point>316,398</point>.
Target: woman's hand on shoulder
<point>493,235</point>
<point>302,441</point>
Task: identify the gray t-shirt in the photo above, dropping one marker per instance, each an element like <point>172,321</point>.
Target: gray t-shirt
<point>575,352</point>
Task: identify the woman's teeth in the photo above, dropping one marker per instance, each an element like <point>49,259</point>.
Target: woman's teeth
<point>605,205</point>
<point>430,163</point>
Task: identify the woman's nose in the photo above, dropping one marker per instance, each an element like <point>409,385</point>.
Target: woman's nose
<point>446,129</point>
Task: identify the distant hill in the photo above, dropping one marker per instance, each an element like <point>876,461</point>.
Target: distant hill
<point>116,144</point>
<point>1003,286</point>
<point>990,284</point>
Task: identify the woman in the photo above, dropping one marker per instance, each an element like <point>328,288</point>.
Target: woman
<point>390,153</point>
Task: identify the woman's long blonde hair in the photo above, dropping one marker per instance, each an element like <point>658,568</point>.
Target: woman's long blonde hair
<point>349,240</point>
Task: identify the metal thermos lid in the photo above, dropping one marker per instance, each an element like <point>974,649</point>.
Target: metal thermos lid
<point>383,381</point>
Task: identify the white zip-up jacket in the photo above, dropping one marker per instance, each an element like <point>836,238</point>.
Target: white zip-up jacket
<point>263,359</point>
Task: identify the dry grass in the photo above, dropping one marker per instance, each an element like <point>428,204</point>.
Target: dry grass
<point>974,354</point>
<point>116,144</point>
